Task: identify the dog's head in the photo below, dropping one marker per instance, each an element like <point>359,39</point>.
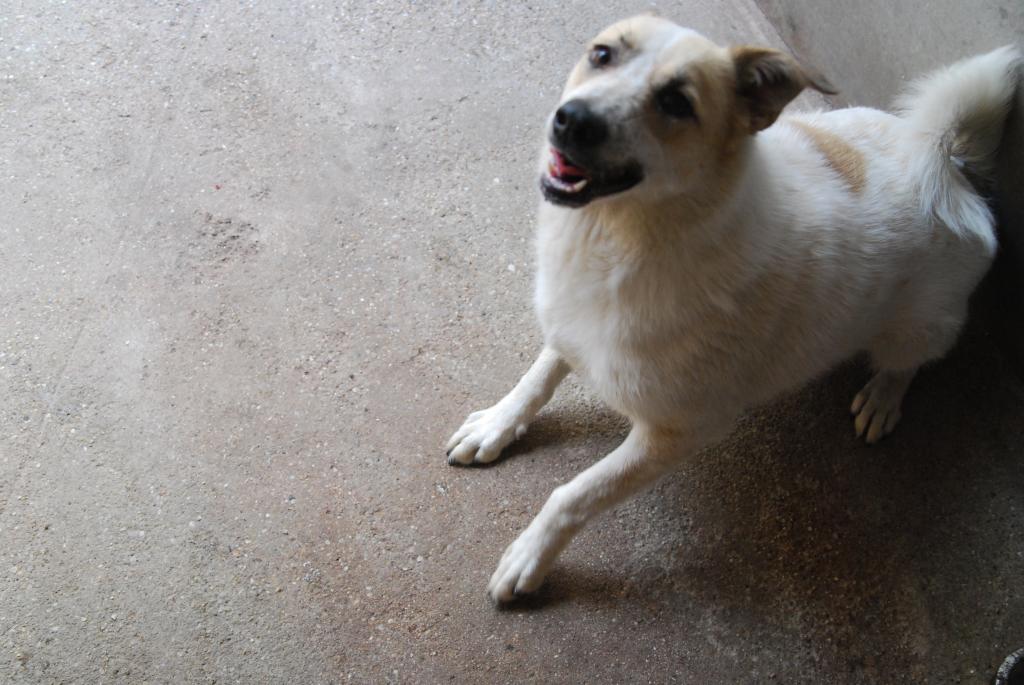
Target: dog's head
<point>653,107</point>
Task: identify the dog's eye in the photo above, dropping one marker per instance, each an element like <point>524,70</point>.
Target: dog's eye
<point>672,102</point>
<point>600,56</point>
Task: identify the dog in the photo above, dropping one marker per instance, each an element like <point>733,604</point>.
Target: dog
<point>698,255</point>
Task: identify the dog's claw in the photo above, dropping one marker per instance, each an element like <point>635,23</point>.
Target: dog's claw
<point>484,435</point>
<point>877,406</point>
<point>524,564</point>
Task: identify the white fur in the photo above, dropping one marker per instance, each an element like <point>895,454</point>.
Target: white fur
<point>682,325</point>
<point>959,111</point>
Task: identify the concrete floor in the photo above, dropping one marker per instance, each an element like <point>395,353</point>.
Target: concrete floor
<point>259,261</point>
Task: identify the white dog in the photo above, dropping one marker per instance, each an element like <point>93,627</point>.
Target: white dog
<point>697,257</point>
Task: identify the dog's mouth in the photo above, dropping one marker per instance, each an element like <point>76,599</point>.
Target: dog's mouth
<point>568,183</point>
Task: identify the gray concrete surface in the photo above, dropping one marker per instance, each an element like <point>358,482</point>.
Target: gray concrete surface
<point>259,260</point>
<point>873,48</point>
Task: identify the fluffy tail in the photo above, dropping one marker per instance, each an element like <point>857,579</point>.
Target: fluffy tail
<point>960,112</point>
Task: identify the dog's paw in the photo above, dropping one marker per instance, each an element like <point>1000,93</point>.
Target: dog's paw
<point>484,435</point>
<point>877,406</point>
<point>523,565</point>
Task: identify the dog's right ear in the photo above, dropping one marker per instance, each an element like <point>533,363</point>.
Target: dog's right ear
<point>766,80</point>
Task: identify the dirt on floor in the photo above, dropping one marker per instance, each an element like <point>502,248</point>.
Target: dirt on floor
<point>260,259</point>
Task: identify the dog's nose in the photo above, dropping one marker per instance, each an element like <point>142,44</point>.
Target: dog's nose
<point>576,124</point>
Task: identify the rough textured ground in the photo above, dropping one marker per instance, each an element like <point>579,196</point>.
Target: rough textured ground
<point>257,262</point>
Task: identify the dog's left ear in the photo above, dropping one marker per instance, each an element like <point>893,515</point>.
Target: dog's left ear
<point>766,80</point>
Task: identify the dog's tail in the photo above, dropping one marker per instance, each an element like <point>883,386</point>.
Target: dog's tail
<point>959,112</point>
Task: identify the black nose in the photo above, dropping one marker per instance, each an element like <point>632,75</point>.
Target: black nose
<point>576,125</point>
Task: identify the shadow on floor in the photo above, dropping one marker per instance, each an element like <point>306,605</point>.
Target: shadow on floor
<point>880,552</point>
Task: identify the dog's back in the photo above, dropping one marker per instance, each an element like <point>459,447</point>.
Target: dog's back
<point>850,230</point>
<point>694,259</point>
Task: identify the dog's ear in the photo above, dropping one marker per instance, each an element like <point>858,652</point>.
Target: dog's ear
<point>766,80</point>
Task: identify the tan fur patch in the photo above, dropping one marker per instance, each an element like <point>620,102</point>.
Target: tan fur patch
<point>841,156</point>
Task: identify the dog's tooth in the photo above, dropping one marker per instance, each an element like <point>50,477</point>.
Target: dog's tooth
<point>560,184</point>
<point>579,185</point>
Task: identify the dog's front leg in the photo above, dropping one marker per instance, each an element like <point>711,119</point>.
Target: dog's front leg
<point>646,454</point>
<point>486,433</point>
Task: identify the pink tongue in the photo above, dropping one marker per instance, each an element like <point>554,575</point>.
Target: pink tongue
<point>563,168</point>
